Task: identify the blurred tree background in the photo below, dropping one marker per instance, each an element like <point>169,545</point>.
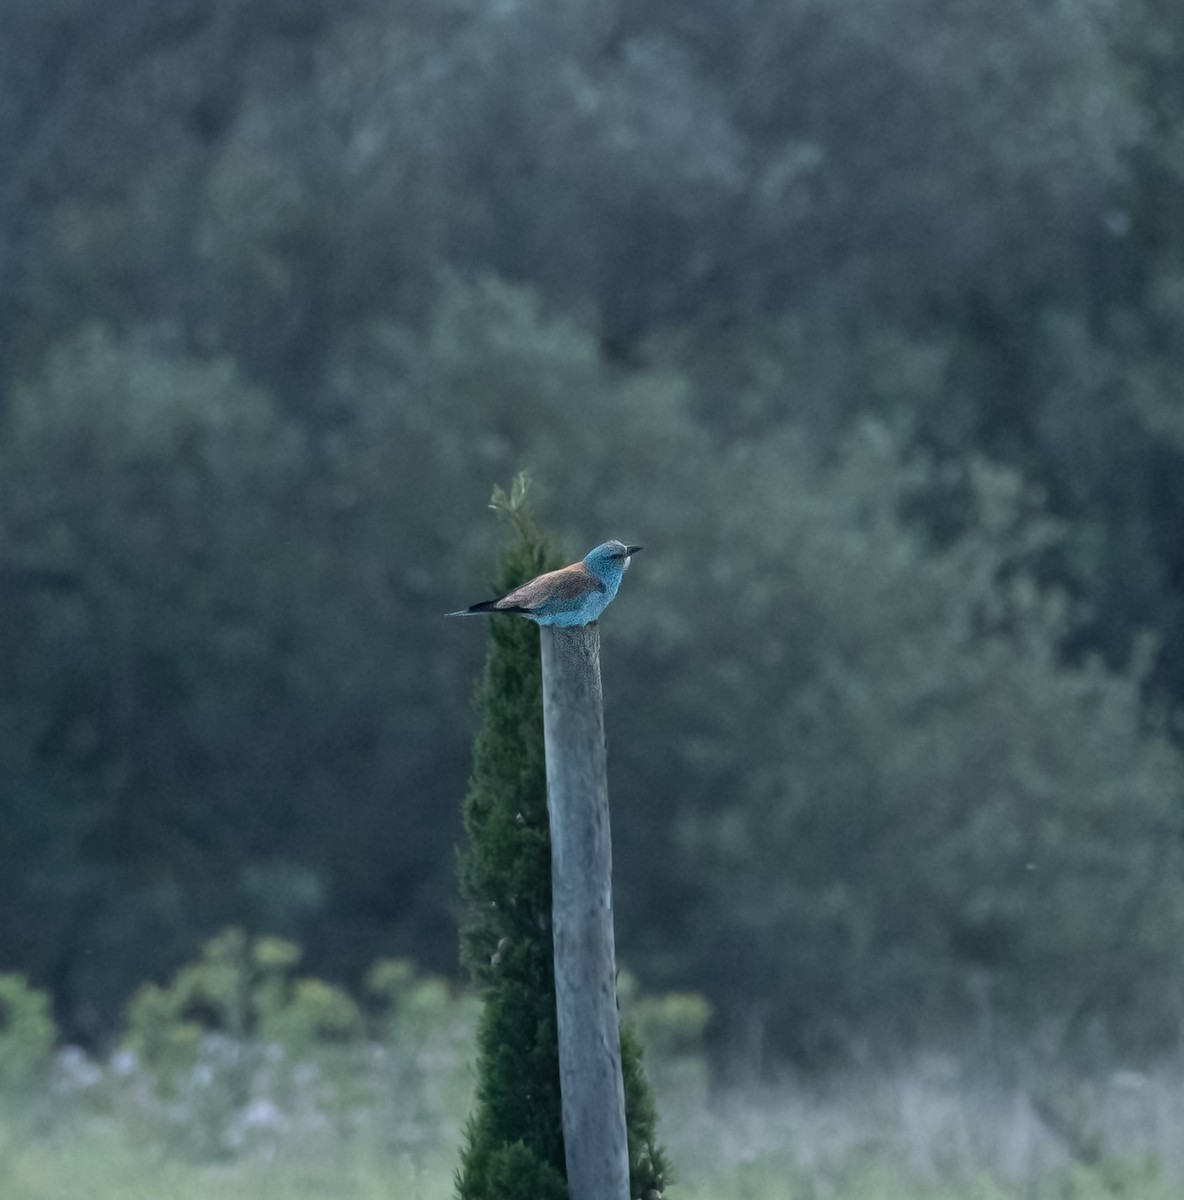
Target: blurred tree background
<point>866,318</point>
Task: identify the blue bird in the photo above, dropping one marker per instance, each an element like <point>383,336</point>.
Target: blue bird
<point>574,595</point>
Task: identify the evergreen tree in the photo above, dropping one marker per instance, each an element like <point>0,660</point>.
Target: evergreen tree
<point>514,1147</point>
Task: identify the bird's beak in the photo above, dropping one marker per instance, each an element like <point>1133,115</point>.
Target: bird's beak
<point>633,549</point>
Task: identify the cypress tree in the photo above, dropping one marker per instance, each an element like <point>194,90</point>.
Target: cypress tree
<point>514,1138</point>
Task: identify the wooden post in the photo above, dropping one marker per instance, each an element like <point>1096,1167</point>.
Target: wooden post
<point>591,1086</point>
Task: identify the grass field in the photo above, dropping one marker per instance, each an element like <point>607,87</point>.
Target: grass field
<point>929,1129</point>
<point>317,1099</point>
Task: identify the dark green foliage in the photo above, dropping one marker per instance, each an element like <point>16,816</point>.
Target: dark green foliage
<point>353,258</point>
<point>930,809</point>
<point>505,874</point>
<point>515,1138</point>
<point>515,1170</point>
<point>516,1134</point>
<point>647,1160</point>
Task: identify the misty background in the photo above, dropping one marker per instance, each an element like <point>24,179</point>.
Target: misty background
<point>865,318</point>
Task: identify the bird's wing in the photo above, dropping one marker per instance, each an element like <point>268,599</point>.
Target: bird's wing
<point>566,584</point>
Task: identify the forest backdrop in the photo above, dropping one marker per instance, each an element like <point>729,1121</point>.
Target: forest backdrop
<point>866,318</point>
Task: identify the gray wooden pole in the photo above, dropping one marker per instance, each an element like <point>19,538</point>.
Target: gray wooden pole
<point>591,1086</point>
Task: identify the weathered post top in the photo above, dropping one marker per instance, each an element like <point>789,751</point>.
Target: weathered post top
<point>591,1084</point>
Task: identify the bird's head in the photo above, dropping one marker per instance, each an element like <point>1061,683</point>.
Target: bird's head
<point>610,555</point>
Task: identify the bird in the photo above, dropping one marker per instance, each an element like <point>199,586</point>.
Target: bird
<point>572,595</point>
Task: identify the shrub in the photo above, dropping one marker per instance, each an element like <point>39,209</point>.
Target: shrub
<point>26,1033</point>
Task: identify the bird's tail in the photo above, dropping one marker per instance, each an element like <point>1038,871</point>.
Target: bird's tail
<point>484,607</point>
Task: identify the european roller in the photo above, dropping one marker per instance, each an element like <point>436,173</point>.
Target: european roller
<point>574,595</point>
